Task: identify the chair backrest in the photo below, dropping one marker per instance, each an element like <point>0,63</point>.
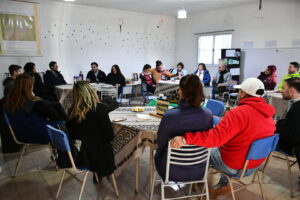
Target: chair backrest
<point>187,155</point>
<point>260,149</point>
<point>7,122</point>
<point>112,92</point>
<point>216,107</point>
<point>60,141</point>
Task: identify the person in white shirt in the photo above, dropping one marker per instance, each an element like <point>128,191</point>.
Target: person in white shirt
<point>203,74</point>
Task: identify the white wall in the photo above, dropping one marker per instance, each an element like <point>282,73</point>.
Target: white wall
<point>277,21</point>
<point>76,35</point>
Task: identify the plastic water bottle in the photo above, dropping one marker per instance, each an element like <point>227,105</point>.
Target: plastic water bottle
<point>81,75</point>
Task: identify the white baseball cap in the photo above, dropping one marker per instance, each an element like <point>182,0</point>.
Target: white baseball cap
<point>252,86</point>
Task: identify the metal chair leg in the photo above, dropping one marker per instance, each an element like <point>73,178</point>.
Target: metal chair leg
<point>137,175</point>
<point>162,188</point>
<point>83,184</point>
<point>231,186</point>
<point>267,162</point>
<point>290,176</point>
<point>190,189</point>
<point>19,160</point>
<point>206,190</point>
<point>115,185</point>
<point>202,192</point>
<point>53,157</point>
<point>260,185</point>
<point>153,185</point>
<point>60,184</point>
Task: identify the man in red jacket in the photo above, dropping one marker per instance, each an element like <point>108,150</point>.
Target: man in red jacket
<point>234,134</point>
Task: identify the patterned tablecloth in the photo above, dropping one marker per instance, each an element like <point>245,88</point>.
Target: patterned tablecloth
<point>280,105</point>
<point>167,87</point>
<point>65,97</point>
<point>132,135</point>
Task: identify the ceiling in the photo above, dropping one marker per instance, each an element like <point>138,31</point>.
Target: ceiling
<point>166,7</point>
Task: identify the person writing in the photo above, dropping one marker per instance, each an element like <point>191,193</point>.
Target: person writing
<point>179,71</point>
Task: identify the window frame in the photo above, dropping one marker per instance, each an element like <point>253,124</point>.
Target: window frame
<point>213,45</point>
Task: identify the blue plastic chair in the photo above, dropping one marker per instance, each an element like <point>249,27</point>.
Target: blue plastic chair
<point>259,149</point>
<point>27,143</point>
<point>60,141</point>
<point>216,107</point>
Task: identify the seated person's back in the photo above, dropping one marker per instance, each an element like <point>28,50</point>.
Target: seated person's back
<point>28,114</point>
<point>88,121</point>
<point>187,116</point>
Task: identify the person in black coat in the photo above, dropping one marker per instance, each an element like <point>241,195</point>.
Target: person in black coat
<point>53,77</point>
<point>88,121</point>
<point>14,71</point>
<point>95,75</point>
<point>28,114</point>
<point>39,88</point>
<point>116,78</point>
<point>288,128</point>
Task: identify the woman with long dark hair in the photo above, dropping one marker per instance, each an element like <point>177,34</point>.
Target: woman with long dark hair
<point>116,78</point>
<point>28,113</point>
<point>188,116</point>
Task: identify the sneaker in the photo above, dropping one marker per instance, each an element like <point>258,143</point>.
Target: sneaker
<point>220,184</point>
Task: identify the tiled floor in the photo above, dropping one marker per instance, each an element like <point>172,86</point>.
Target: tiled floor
<point>38,180</point>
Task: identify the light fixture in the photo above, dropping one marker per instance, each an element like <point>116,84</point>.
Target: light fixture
<point>181,14</point>
<point>69,0</point>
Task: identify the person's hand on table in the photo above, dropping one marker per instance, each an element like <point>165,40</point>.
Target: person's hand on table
<point>178,142</point>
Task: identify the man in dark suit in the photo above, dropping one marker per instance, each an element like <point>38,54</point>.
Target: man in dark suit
<point>95,75</point>
<point>53,77</point>
<point>289,128</point>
